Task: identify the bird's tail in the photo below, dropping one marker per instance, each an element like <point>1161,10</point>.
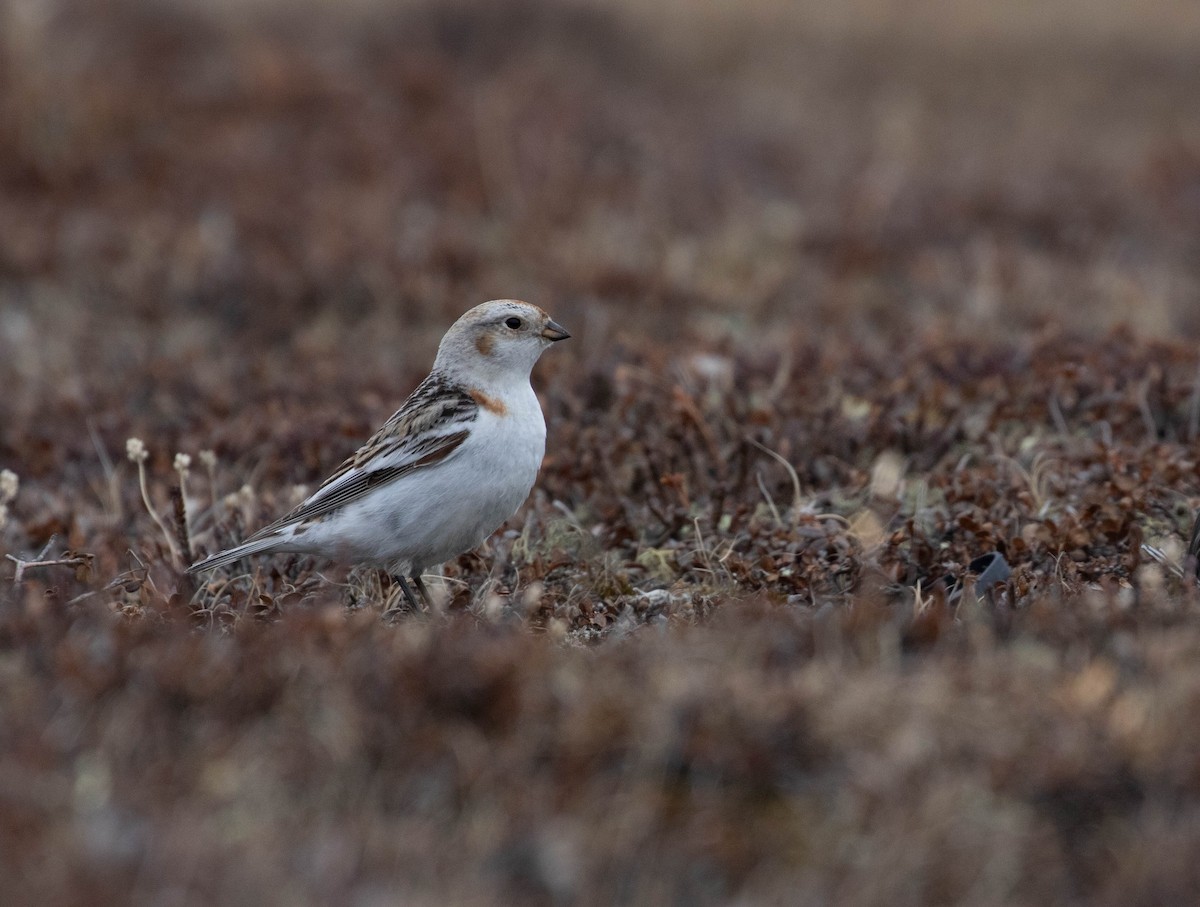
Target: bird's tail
<point>221,558</point>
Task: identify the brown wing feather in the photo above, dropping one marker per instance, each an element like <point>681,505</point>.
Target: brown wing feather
<point>408,441</point>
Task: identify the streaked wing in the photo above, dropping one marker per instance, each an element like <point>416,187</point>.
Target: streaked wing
<point>431,425</point>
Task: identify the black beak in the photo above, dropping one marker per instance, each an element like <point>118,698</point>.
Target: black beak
<point>554,331</point>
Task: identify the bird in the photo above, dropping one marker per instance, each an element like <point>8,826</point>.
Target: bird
<point>445,471</point>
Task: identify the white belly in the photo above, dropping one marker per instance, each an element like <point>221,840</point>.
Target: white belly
<point>436,513</point>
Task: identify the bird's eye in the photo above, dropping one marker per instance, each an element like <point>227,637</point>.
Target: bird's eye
<point>514,323</point>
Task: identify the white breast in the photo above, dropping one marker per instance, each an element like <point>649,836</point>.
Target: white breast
<point>436,513</point>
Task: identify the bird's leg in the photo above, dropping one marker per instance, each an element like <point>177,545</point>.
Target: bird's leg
<point>407,590</point>
<point>416,578</point>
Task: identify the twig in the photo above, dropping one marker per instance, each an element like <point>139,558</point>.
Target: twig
<point>77,560</point>
<point>182,535</point>
<point>209,460</point>
<point>41,555</point>
<point>136,451</point>
<point>162,527</point>
<point>770,500</point>
<point>713,555</point>
<point>797,495</point>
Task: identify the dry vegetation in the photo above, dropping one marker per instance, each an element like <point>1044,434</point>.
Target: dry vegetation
<point>857,297</point>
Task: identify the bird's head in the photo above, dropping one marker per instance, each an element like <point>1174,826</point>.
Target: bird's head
<point>497,342</point>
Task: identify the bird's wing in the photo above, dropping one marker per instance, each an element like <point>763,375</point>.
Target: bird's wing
<point>431,425</point>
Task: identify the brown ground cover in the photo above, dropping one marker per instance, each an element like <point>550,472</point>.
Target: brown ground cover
<point>859,293</point>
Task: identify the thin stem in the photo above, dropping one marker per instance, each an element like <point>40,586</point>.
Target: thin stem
<point>154,515</point>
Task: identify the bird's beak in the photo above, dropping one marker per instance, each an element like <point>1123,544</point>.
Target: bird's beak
<point>554,331</point>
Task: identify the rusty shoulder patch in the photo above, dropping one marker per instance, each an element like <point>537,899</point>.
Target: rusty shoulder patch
<point>491,404</point>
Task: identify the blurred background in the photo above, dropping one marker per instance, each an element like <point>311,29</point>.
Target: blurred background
<point>178,176</point>
<point>925,271</point>
<point>244,226</point>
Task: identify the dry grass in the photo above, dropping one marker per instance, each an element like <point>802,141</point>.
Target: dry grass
<point>856,297</point>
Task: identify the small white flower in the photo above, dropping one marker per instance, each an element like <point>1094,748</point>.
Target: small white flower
<point>453,463</point>
<point>182,462</point>
<point>136,451</point>
<point>242,499</point>
<point>208,459</point>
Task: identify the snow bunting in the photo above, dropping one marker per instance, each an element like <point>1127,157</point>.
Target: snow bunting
<point>441,475</point>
